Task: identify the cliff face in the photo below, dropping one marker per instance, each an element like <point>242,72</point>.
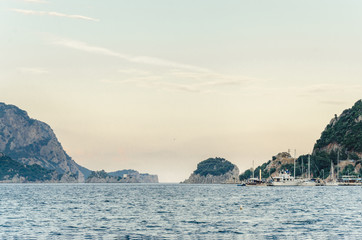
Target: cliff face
<point>214,171</point>
<point>30,141</point>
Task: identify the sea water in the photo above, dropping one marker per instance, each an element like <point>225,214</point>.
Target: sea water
<point>178,211</point>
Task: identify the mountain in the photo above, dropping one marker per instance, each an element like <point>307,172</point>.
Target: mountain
<point>14,172</point>
<point>341,139</point>
<point>30,141</point>
<point>214,170</point>
<point>122,176</point>
<point>343,133</point>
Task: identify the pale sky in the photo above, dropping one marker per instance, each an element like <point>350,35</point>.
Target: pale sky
<point>158,86</point>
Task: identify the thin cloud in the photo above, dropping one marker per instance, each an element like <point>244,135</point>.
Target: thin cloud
<point>57,14</point>
<point>176,76</point>
<point>33,70</point>
<point>319,89</point>
<point>134,59</point>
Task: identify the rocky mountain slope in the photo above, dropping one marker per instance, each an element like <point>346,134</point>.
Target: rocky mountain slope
<point>343,133</point>
<point>30,141</point>
<point>14,172</point>
<point>214,170</point>
<point>341,139</point>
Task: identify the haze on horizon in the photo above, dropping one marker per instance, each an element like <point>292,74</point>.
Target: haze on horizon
<point>159,86</point>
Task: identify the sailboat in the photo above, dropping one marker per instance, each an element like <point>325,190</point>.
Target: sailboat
<point>308,181</point>
<point>333,181</point>
<point>253,181</point>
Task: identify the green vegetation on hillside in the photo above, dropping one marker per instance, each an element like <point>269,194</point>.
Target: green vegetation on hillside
<point>214,166</point>
<point>98,174</point>
<point>264,172</point>
<point>10,168</point>
<point>345,130</point>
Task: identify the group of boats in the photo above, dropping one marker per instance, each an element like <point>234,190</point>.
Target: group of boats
<point>285,179</point>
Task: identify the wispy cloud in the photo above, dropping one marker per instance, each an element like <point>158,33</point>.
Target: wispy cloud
<point>57,14</point>
<point>33,70</point>
<point>134,59</point>
<point>172,76</point>
<point>329,88</point>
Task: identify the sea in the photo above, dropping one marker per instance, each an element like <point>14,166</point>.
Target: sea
<point>178,211</point>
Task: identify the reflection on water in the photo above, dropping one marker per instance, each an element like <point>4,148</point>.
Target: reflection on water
<point>177,211</point>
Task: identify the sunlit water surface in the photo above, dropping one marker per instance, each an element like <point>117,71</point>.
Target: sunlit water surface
<point>177,211</point>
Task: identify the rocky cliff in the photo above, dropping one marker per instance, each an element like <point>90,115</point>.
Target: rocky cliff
<point>30,141</point>
<point>214,171</point>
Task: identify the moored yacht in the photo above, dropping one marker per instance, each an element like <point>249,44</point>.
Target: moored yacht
<point>284,179</point>
<point>348,180</point>
<point>307,182</point>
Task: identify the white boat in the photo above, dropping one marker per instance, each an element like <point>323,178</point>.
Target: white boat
<point>307,182</point>
<point>350,181</point>
<point>284,179</point>
<point>331,183</point>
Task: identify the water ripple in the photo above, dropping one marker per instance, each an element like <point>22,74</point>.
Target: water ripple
<point>176,211</point>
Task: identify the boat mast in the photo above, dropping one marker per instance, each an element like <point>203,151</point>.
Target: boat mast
<point>295,153</point>
<point>338,164</point>
<point>260,174</point>
<point>308,166</point>
<point>332,171</point>
<point>253,169</point>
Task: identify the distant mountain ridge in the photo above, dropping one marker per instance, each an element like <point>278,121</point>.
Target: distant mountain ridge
<point>30,141</point>
<point>121,176</point>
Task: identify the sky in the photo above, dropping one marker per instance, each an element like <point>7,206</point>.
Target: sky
<point>159,86</point>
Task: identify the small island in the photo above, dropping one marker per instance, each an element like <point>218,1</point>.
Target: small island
<point>214,171</point>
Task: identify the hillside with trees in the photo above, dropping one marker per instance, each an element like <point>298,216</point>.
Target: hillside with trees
<point>340,143</point>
